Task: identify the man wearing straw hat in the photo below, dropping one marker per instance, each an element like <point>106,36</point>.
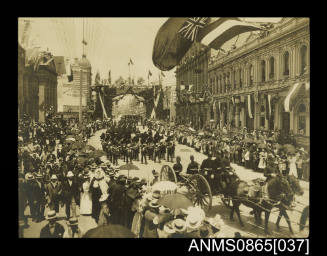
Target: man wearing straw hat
<point>52,229</point>
<point>71,194</point>
<point>73,230</point>
<point>53,193</point>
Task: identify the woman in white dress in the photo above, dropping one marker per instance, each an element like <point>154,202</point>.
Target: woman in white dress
<point>263,159</point>
<point>86,199</point>
<point>292,164</point>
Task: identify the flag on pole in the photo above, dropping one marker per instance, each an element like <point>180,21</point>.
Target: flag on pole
<point>149,74</point>
<point>176,36</point>
<point>130,62</point>
<point>162,74</point>
<point>84,42</point>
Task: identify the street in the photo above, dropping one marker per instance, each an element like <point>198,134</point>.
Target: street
<point>249,230</point>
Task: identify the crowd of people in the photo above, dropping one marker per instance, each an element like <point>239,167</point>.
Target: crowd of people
<point>52,175</point>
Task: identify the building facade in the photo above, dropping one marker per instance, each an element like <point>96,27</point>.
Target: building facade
<point>192,87</point>
<point>37,83</point>
<point>264,84</point>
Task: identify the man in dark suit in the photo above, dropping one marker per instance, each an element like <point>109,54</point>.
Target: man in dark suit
<point>39,197</point>
<point>71,194</point>
<point>117,201</point>
<point>52,229</point>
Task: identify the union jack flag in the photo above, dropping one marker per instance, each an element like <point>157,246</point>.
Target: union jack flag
<point>192,26</point>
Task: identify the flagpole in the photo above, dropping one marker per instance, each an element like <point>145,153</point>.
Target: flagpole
<point>129,71</point>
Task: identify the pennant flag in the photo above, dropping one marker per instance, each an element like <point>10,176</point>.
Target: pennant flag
<point>149,74</point>
<point>249,106</point>
<point>291,95</point>
<point>162,74</point>
<point>176,36</point>
<point>84,42</point>
<point>130,62</point>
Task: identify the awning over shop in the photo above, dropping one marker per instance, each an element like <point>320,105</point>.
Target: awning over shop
<point>293,93</point>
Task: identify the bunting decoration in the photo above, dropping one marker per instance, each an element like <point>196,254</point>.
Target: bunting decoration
<point>249,106</point>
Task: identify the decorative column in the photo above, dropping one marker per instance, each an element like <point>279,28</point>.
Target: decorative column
<point>42,95</point>
<point>237,113</point>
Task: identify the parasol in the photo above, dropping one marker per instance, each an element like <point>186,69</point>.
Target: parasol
<point>128,167</point>
<point>175,201</point>
<point>109,231</point>
<point>289,148</point>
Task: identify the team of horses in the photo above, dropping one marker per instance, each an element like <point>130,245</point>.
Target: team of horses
<point>262,196</point>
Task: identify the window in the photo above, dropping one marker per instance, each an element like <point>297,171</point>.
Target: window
<point>272,67</point>
<point>263,71</point>
<point>286,64</point>
<point>303,53</point>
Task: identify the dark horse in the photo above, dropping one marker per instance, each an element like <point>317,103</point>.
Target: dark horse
<point>278,192</point>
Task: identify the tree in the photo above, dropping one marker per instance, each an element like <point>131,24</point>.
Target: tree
<point>120,81</point>
<point>140,81</point>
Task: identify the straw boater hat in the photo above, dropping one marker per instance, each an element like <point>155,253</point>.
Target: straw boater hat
<point>72,222</point>
<point>51,215</point>
<point>154,204</point>
<point>194,221</point>
<point>39,176</point>
<point>155,195</point>
<point>70,174</point>
<point>179,225</point>
<point>54,177</point>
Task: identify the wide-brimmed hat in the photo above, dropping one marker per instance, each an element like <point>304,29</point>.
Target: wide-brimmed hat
<point>179,225</point>
<point>51,215</point>
<point>29,176</point>
<point>54,177</point>
<point>70,174</point>
<point>72,222</point>
<point>194,221</point>
<point>155,195</point>
<point>154,203</point>
<point>38,175</point>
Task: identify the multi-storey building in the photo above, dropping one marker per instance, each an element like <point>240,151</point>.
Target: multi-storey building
<point>37,83</point>
<point>265,82</point>
<point>191,87</point>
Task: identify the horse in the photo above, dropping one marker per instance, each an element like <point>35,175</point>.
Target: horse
<point>297,190</point>
<point>278,193</point>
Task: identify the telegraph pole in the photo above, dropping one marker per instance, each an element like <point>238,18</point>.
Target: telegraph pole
<point>80,87</point>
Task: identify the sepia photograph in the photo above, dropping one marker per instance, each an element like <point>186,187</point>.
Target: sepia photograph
<point>195,127</point>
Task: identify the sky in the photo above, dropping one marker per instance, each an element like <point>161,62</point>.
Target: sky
<point>111,43</point>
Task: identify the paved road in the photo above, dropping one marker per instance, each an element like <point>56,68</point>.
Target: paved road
<point>249,230</point>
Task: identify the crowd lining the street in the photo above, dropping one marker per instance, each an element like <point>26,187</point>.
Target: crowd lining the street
<point>53,173</point>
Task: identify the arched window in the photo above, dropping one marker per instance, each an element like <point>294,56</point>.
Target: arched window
<point>302,113</point>
<point>303,53</point>
<point>272,68</point>
<point>263,71</point>
<point>251,75</point>
<point>286,64</point>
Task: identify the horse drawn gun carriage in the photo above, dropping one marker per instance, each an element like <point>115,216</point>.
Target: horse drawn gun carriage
<point>200,186</point>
